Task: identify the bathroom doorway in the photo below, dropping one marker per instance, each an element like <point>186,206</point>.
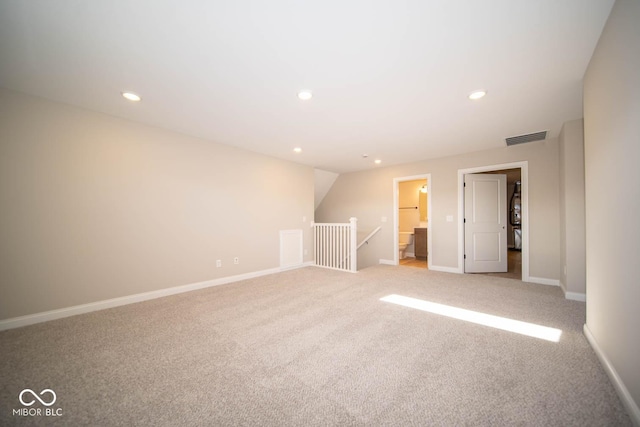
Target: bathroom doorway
<point>412,209</point>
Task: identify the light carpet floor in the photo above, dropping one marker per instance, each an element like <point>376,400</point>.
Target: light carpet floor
<point>315,347</point>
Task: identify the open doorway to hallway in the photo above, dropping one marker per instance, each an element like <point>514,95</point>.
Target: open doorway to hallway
<point>411,220</point>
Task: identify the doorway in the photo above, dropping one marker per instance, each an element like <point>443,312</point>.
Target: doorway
<point>485,223</point>
<point>517,260</point>
<point>514,230</point>
<point>412,210</point>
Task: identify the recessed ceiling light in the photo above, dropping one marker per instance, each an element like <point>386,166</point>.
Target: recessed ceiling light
<point>477,94</point>
<point>377,161</point>
<point>131,96</point>
<point>305,95</point>
<point>297,150</point>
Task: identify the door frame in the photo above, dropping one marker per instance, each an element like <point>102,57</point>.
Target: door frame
<point>524,195</point>
<point>396,220</point>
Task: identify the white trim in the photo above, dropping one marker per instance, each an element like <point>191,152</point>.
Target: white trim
<point>444,269</point>
<point>387,262</point>
<point>543,281</point>
<point>576,296</point>
<point>396,225</point>
<point>524,181</point>
<point>17,322</point>
<point>563,287</point>
<point>623,392</point>
<point>295,267</point>
<point>353,245</point>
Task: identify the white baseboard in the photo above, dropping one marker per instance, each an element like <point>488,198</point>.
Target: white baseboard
<point>293,267</point>
<point>445,269</point>
<point>433,267</point>
<point>562,286</point>
<point>544,281</point>
<point>45,316</point>
<point>575,296</point>
<point>631,406</point>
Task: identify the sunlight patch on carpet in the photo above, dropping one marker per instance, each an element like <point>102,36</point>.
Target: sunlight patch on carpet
<point>503,323</point>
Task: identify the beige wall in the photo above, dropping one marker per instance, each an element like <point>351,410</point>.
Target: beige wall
<point>95,207</point>
<point>368,196</point>
<point>612,157</point>
<point>572,214</point>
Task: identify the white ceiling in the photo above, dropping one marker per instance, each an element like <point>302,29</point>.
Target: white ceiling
<point>389,78</point>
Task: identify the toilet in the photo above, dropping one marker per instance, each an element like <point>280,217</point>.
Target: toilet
<point>405,238</point>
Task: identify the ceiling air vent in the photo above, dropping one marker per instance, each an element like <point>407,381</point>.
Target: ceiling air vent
<point>521,139</point>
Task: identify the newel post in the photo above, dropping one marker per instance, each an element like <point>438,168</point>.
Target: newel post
<point>353,246</point>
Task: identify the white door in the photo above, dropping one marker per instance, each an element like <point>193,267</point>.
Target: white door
<point>485,223</point>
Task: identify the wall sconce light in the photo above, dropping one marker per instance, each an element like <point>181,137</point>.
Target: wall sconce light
<point>423,189</point>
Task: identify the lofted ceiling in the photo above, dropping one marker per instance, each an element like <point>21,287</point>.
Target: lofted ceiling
<point>390,79</point>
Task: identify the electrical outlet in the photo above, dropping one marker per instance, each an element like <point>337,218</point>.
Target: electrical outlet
<point>219,263</point>
<point>236,260</point>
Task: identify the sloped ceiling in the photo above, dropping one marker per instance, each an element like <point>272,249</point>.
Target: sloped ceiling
<point>324,180</point>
